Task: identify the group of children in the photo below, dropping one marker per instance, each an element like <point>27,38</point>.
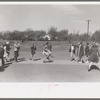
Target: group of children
<point>90,52</point>
<point>77,53</point>
<point>47,48</point>
<point>5,52</point>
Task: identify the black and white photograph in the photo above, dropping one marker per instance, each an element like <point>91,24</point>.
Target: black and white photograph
<point>50,42</point>
<point>50,49</point>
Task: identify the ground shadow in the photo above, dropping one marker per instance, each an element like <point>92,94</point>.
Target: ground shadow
<point>7,64</point>
<point>2,69</point>
<point>48,61</point>
<point>21,59</point>
<point>11,59</point>
<point>36,59</point>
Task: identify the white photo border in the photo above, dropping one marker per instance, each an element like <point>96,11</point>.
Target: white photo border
<point>49,89</point>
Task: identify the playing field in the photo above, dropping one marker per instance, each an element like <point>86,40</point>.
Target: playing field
<point>60,70</point>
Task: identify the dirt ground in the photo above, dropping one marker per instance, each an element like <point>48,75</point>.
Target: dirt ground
<point>60,70</point>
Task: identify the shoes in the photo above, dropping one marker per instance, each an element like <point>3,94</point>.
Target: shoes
<point>72,59</point>
<point>78,60</point>
<point>30,58</point>
<point>89,70</point>
<point>87,61</point>
<point>44,61</point>
<point>82,61</point>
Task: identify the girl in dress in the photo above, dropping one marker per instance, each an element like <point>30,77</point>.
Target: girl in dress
<point>72,51</point>
<point>81,52</point>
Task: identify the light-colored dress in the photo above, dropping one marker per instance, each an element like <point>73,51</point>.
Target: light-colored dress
<point>81,51</point>
<point>5,53</point>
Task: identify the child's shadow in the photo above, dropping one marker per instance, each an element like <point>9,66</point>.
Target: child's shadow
<point>50,61</point>
<point>7,64</point>
<point>21,59</point>
<point>36,59</point>
<point>1,69</point>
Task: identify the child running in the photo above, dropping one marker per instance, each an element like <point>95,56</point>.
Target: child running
<point>33,51</point>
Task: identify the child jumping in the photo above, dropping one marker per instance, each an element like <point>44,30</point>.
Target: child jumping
<point>46,52</point>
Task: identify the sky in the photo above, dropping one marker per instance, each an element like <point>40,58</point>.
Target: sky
<point>42,17</point>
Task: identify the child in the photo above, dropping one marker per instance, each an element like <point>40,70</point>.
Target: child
<point>87,49</point>
<point>16,50</point>
<point>72,50</point>
<point>46,52</point>
<point>94,56</point>
<point>33,51</point>
<point>81,52</point>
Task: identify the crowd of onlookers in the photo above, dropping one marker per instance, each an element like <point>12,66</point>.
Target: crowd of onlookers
<point>5,52</point>
<point>90,52</point>
<point>77,53</point>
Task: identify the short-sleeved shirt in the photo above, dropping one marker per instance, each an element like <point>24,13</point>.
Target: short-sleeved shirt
<point>33,49</point>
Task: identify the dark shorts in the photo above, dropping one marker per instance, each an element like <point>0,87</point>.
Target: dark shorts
<point>33,52</point>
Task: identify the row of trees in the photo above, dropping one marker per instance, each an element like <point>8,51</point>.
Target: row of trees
<point>32,35</point>
<point>54,34</point>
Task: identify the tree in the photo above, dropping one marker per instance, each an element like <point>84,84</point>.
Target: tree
<point>96,36</point>
<point>53,32</point>
<point>62,35</point>
<point>40,35</point>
